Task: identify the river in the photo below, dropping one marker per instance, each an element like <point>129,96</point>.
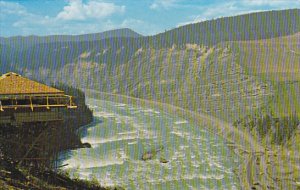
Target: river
<point>120,135</point>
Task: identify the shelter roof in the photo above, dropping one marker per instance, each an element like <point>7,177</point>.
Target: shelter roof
<point>14,84</point>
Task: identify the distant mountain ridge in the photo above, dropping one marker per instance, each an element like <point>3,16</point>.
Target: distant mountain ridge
<point>33,39</point>
<point>252,26</point>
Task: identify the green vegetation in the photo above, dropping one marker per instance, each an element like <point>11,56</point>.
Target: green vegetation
<point>79,117</point>
<point>286,100</point>
<point>271,130</point>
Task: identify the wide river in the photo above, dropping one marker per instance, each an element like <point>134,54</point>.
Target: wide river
<point>122,133</point>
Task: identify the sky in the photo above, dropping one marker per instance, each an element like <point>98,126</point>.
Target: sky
<point>147,17</point>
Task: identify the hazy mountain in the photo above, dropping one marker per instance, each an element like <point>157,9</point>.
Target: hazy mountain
<point>5,62</point>
<point>25,41</point>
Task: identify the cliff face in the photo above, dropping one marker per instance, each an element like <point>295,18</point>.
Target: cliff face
<point>39,143</point>
<point>27,153</point>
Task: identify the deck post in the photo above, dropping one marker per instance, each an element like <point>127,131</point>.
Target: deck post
<point>31,106</point>
<point>16,104</point>
<point>1,108</point>
<point>48,103</point>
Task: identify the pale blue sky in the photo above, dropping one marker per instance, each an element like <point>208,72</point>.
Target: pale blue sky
<point>147,17</point>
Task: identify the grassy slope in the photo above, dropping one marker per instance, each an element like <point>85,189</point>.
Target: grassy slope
<point>277,61</point>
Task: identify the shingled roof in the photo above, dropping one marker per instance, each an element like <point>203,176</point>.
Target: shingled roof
<point>14,84</point>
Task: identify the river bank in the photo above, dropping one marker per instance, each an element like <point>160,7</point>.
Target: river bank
<point>255,172</point>
<point>35,169</point>
<point>28,153</point>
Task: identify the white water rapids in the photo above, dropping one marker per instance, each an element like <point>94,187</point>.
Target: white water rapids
<point>122,133</point>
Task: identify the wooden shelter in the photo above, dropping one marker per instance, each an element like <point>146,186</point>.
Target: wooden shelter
<point>25,101</point>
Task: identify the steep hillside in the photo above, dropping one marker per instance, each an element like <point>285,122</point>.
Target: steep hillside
<point>274,59</point>
<point>196,78</point>
<point>253,26</point>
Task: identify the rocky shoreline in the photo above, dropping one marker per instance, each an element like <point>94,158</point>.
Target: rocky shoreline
<point>36,170</point>
<point>28,154</point>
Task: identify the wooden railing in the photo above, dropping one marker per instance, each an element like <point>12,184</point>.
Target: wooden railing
<point>36,101</point>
